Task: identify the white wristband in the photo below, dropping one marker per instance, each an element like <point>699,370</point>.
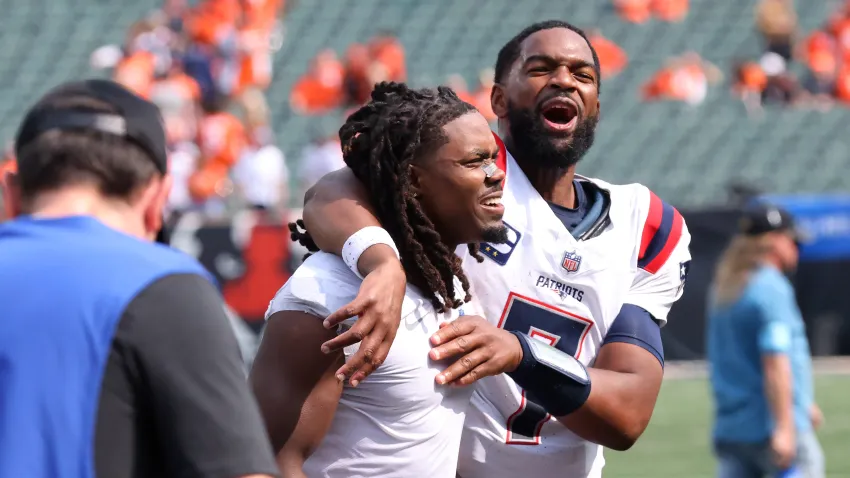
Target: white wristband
<point>361,240</point>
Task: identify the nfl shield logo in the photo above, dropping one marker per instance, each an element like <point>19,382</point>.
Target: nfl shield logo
<point>571,261</point>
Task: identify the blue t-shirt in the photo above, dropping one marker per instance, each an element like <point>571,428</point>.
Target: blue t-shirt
<point>764,320</point>
<point>64,285</point>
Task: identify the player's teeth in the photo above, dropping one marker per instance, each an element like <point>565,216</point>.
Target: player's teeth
<point>494,202</point>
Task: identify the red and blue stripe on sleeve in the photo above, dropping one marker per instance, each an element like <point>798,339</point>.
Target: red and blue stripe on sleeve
<point>661,233</point>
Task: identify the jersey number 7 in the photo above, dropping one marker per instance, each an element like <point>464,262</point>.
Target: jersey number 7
<point>556,327</point>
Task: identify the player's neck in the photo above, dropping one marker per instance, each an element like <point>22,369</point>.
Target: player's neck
<point>555,185</point>
<point>84,202</point>
<point>773,260</point>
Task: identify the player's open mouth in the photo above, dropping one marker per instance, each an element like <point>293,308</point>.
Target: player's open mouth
<point>492,203</point>
<point>560,114</point>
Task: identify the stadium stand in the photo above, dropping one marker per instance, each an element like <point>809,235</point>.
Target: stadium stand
<point>687,154</point>
<point>46,42</point>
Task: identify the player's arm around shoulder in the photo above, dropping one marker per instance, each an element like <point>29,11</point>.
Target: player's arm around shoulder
<point>337,209</point>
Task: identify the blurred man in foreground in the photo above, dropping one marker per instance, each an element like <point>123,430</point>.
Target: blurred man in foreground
<point>117,357</point>
<point>761,371</point>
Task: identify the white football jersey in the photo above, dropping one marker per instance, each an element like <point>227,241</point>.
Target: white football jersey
<point>567,293</point>
<point>398,422</point>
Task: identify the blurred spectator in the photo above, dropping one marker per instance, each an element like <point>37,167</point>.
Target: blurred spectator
<point>258,27</point>
<point>183,160</point>
<point>177,96</point>
<point>321,88</point>
<point>221,139</point>
<point>7,165</point>
<point>749,83</point>
<point>358,83</point>
<point>387,53</point>
<point>820,53</point>
<point>612,58</point>
<point>634,11</point>
<point>458,84</point>
<point>481,96</point>
<point>321,156</point>
<point>670,10</point>
<point>761,371</point>
<point>213,22</point>
<point>685,78</point>
<point>261,176</point>
<point>197,62</point>
<point>838,27</point>
<point>175,13</point>
<point>639,11</point>
<point>776,21</point>
<point>221,136</point>
<point>136,71</point>
<point>782,87</point>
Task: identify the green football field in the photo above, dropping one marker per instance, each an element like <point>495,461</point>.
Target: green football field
<point>676,444</point>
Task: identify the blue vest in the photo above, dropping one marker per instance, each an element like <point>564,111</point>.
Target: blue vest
<point>64,285</point>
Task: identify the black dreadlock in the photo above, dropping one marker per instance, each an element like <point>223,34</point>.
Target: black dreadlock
<point>379,142</point>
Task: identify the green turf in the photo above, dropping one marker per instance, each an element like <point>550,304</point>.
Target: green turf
<point>676,444</point>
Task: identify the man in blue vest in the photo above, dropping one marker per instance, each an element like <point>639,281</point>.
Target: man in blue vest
<point>116,357</point>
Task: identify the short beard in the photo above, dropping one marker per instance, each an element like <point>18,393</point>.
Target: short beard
<point>534,143</point>
<point>495,234</point>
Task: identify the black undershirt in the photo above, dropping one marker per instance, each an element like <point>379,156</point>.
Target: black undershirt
<point>174,400</point>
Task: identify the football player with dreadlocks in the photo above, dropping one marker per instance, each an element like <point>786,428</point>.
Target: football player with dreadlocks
<point>427,161</point>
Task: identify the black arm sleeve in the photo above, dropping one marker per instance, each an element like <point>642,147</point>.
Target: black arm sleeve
<point>181,345</point>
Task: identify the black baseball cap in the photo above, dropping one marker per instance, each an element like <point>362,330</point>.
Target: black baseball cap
<point>135,119</point>
<point>761,218</point>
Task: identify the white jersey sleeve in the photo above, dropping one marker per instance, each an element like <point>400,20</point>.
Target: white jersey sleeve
<point>319,287</point>
<point>663,259</point>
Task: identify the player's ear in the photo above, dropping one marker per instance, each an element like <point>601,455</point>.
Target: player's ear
<point>415,180</point>
<point>498,101</point>
<point>154,200</point>
<point>11,195</point>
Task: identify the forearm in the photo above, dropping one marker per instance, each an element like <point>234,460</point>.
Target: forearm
<point>291,464</point>
<point>777,384</point>
<point>335,208</point>
<point>625,381</point>
<point>617,411</point>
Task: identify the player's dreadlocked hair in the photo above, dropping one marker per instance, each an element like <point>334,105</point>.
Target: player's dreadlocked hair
<point>379,142</point>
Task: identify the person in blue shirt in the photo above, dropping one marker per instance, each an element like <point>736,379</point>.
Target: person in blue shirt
<point>761,372</point>
<point>116,357</point>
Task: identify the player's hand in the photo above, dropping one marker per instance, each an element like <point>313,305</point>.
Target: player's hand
<point>783,444</point>
<point>482,348</point>
<point>378,307</point>
<point>816,415</point>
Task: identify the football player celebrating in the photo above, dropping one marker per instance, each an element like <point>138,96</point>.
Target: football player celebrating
<point>585,280</point>
<point>427,160</point>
